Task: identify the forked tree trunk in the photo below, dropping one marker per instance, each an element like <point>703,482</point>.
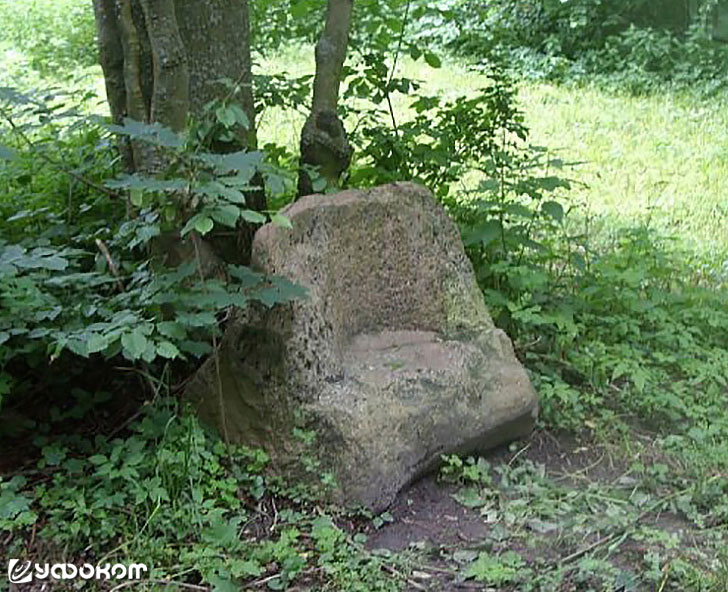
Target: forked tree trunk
<point>164,60</point>
<point>324,143</point>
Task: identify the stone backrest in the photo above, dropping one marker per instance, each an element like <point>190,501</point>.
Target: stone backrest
<point>388,258</point>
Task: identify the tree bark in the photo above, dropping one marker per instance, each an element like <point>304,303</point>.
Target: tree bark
<point>111,57</point>
<point>223,70</point>
<point>216,34</point>
<point>324,143</point>
<point>163,61</point>
<point>171,94</point>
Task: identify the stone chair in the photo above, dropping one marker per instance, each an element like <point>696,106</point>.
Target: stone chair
<point>391,361</point>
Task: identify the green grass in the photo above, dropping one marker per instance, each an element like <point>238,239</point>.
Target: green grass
<point>55,38</point>
<point>662,157</point>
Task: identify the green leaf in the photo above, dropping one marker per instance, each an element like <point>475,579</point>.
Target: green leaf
<point>486,233</point>
<point>226,214</point>
<point>168,350</point>
<point>199,222</point>
<point>470,497</point>
<point>134,344</point>
<point>144,183</point>
<point>281,220</point>
<point>493,569</point>
<point>96,343</point>
<point>553,209</point>
<point>252,216</point>
<point>552,183</point>
<point>288,290</point>
<point>519,210</point>
<point>240,116</point>
<point>78,347</point>
<point>241,161</point>
<point>53,455</point>
<point>154,133</point>
<point>222,533</point>
<point>136,197</point>
<point>196,348</point>
<point>200,319</point>
<point>222,584</point>
<point>216,190</point>
<point>225,116</point>
<point>319,184</point>
<point>171,329</point>
<point>245,568</point>
<point>432,60</point>
<point>300,9</point>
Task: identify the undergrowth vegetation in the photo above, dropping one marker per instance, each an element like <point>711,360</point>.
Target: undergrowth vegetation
<point>615,301</point>
<point>634,46</point>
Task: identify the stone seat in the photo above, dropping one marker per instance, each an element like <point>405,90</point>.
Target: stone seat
<point>419,378</point>
<point>392,360</point>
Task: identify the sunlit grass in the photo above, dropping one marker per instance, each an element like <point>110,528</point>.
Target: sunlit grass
<point>662,158</point>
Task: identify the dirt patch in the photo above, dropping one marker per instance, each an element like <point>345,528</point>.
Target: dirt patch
<point>426,512</point>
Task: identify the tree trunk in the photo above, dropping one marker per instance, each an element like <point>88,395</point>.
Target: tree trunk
<point>226,22</point>
<point>111,57</point>
<point>171,92</point>
<point>164,60</point>
<point>324,143</point>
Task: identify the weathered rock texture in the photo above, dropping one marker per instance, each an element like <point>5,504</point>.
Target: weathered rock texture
<point>392,359</point>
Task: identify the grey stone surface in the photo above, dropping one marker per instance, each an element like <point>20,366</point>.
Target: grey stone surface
<point>392,359</point>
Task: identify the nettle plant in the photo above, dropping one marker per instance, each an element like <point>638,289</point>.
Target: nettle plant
<point>117,287</point>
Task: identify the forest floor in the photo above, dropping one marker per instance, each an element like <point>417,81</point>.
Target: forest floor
<point>572,516</point>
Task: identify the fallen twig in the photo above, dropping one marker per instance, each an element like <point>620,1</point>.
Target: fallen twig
<point>112,266</point>
<point>624,531</point>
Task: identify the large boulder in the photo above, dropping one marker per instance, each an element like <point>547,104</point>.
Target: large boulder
<point>392,360</point>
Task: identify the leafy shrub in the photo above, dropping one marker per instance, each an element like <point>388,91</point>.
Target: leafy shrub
<point>635,46</point>
<point>602,326</point>
<point>79,270</point>
<point>643,60</point>
<point>375,26</point>
<point>623,328</point>
<point>443,142</point>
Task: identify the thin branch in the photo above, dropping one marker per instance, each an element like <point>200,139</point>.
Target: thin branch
<point>405,21</point>
<point>112,266</point>
<point>624,531</point>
